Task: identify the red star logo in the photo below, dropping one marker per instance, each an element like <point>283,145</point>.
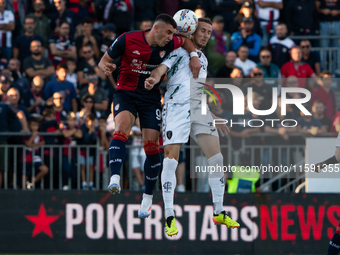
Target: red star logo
<point>42,222</point>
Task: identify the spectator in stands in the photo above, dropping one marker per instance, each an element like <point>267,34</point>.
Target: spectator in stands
<point>14,124</point>
<point>218,45</point>
<point>237,132</point>
<point>19,8</point>
<point>237,77</point>
<point>297,68</point>
<point>281,135</point>
<point>110,121</point>
<point>87,101</point>
<point>200,13</point>
<point>100,97</point>
<point>42,23</point>
<point>137,155</point>
<point>119,15</point>
<point>145,24</point>
<point>225,71</point>
<point>5,84</point>
<point>329,25</point>
<point>21,47</point>
<point>33,97</point>
<point>218,111</point>
<point>67,15</point>
<point>89,138</point>
<point>247,11</point>
<point>59,111</point>
<point>271,72</point>
<point>292,82</point>
<point>243,62</point>
<point>103,135</point>
<point>82,8</point>
<point>261,88</point>
<point>36,64</point>
<point>33,142</point>
<point>88,64</point>
<point>71,75</point>
<point>245,36</point>
<point>6,113</point>
<point>309,57</point>
<point>302,18</point>
<point>60,84</point>
<point>62,45</point>
<point>336,123</point>
<point>318,113</point>
<point>72,134</point>
<point>14,69</point>
<point>86,38</point>
<point>7,25</point>
<point>280,45</point>
<point>325,94</point>
<point>109,36</point>
<point>269,13</point>
<point>309,125</point>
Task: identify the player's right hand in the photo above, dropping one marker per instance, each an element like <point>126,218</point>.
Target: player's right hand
<point>109,68</point>
<point>149,83</point>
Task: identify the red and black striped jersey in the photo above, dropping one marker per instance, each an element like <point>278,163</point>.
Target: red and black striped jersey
<point>138,59</point>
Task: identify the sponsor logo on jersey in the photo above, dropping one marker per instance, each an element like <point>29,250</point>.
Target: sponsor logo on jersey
<point>136,52</point>
<point>162,53</point>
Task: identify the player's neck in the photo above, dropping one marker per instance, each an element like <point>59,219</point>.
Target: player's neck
<point>196,46</point>
<point>150,38</point>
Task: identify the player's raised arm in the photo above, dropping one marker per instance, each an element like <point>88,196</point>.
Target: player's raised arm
<point>114,51</point>
<point>155,76</point>
<point>194,63</point>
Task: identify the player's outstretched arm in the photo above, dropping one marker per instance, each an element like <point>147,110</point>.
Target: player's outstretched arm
<point>155,76</point>
<point>333,160</point>
<point>105,64</point>
<point>194,64</point>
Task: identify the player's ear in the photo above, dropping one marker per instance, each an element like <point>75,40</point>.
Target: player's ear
<point>156,27</point>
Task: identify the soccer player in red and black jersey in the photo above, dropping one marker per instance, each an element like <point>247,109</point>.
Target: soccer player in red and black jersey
<point>141,52</point>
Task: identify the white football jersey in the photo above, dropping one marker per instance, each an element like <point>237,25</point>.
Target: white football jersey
<point>179,75</point>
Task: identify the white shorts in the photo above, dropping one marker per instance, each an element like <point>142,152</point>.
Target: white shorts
<point>337,143</point>
<point>178,123</point>
<point>138,158</point>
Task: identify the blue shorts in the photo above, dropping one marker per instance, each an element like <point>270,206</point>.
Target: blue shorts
<point>36,167</point>
<point>148,111</point>
<point>82,160</point>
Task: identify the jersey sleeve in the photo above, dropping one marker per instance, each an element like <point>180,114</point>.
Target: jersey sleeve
<point>171,59</point>
<point>117,48</point>
<point>178,41</point>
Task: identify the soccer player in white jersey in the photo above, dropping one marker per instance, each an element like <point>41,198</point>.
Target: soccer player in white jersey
<point>334,244</point>
<point>180,99</point>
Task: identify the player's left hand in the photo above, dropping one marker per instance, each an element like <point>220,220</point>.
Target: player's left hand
<point>195,66</point>
<point>109,68</point>
<point>223,129</point>
<point>149,83</point>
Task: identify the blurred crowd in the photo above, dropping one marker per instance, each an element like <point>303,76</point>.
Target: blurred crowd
<point>50,81</point>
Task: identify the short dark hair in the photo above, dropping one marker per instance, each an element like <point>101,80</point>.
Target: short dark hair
<point>103,117</point>
<point>62,66</point>
<point>88,44</point>
<point>206,20</point>
<point>29,17</point>
<point>33,119</point>
<point>167,19</point>
<point>86,20</point>
<point>322,74</point>
<point>86,96</point>
<point>91,116</point>
<point>64,21</point>
<point>318,102</point>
